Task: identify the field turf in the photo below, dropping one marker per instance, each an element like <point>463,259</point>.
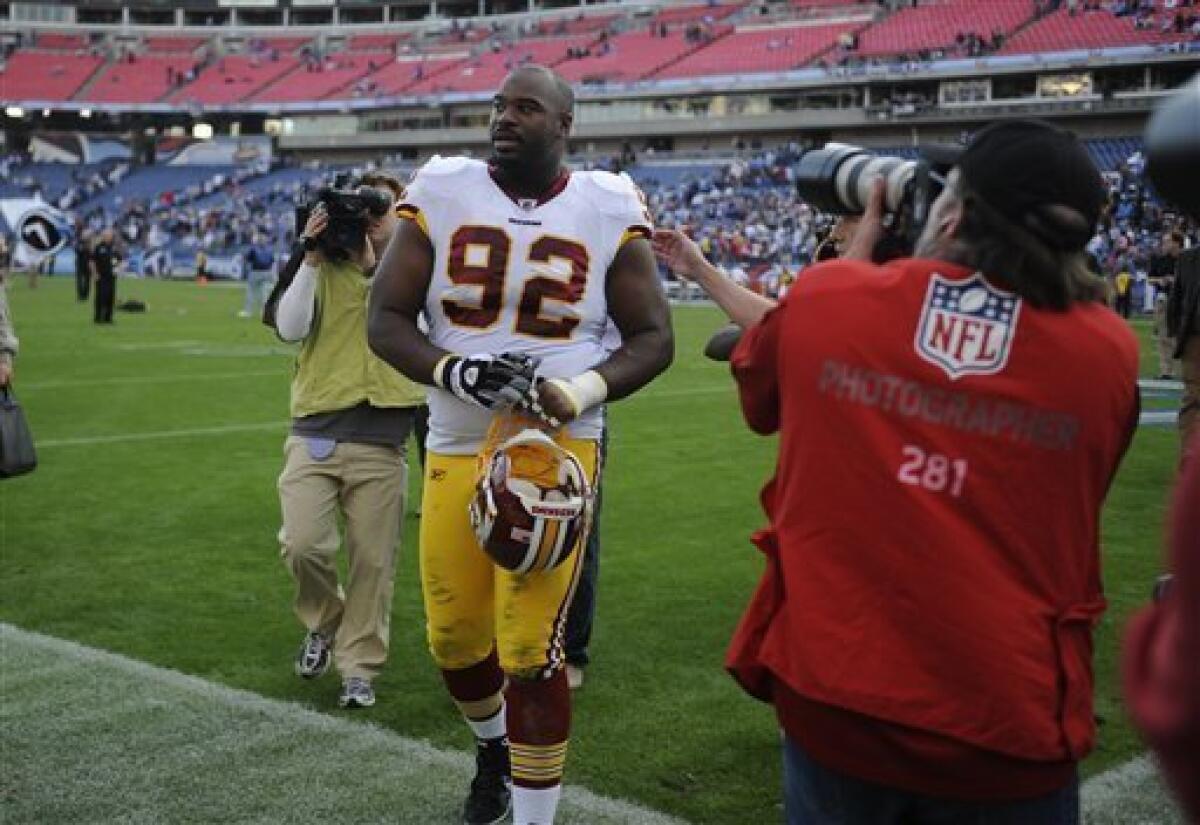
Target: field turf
<point>149,530</point>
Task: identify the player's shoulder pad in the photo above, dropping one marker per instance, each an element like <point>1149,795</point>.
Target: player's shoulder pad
<point>612,194</point>
<point>444,175</point>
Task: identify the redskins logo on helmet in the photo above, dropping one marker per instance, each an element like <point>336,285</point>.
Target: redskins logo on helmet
<point>532,503</point>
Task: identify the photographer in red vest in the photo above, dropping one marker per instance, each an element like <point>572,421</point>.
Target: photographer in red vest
<point>949,425</point>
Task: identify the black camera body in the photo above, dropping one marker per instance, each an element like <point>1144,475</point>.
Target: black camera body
<point>349,212</point>
<point>838,179</point>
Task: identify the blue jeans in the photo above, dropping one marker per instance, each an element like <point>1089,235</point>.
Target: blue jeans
<point>815,795</point>
<point>583,606</point>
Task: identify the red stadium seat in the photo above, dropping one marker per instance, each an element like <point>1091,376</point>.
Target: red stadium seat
<point>632,56</point>
<point>338,72</point>
<point>688,14</point>
<point>773,49</point>
<point>233,78</point>
<point>143,81</point>
<point>400,76</point>
<point>173,45</point>
<point>1060,31</point>
<point>937,25</point>
<point>62,42</point>
<point>40,75</point>
<point>484,73</point>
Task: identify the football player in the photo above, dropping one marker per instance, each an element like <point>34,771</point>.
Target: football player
<point>516,262</point>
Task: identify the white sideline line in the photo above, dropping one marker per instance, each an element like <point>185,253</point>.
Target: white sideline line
<point>147,379</point>
<point>161,434</point>
<point>1129,794</point>
<point>584,803</point>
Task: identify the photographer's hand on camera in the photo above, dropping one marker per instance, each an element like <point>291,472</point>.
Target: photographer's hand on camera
<point>318,219</point>
<point>861,234</point>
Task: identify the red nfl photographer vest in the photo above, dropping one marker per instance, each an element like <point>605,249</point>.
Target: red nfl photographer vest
<point>932,547</point>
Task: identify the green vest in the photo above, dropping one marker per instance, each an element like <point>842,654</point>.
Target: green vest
<point>335,368</point>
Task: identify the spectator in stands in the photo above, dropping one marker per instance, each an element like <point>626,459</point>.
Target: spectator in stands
<point>924,589</point>
<point>351,416</point>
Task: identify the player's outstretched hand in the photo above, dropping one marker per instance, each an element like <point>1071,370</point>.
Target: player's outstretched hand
<point>678,252</point>
<point>494,382</point>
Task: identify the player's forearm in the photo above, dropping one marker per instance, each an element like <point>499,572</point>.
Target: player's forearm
<point>743,306</point>
<point>395,338</point>
<point>641,357</point>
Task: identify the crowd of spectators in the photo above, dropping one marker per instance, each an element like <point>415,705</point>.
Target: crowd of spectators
<point>744,212</point>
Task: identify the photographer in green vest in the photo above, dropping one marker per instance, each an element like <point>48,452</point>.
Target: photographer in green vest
<point>351,416</point>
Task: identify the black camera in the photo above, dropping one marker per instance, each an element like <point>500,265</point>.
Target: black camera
<point>838,179</point>
<point>349,212</point>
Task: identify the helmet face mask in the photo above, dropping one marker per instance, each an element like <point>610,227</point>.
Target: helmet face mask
<point>532,504</point>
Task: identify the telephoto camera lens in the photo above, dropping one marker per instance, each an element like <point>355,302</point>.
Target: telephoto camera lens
<point>838,178</point>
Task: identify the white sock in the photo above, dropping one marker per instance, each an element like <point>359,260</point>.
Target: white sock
<point>535,806</point>
<point>491,728</point>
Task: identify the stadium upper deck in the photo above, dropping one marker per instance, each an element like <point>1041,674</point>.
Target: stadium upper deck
<point>262,67</point>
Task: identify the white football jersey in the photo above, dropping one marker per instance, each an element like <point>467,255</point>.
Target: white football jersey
<point>518,276</point>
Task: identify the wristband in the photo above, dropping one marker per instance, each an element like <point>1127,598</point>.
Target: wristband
<point>441,369</point>
<point>585,391</point>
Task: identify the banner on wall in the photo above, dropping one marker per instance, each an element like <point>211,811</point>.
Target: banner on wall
<point>75,147</point>
<point>218,151</point>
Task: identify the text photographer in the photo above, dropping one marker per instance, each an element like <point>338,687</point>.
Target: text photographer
<point>949,426</point>
<point>351,415</point>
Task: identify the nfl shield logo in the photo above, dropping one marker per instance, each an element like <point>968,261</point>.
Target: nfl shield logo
<point>967,327</point>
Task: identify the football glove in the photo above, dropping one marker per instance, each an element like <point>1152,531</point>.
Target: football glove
<point>493,382</point>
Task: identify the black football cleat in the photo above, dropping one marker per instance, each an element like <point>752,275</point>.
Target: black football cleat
<point>490,799</point>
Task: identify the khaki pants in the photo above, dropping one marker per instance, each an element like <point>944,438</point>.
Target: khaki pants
<point>367,483</point>
<point>1189,407</point>
<point>1164,343</point>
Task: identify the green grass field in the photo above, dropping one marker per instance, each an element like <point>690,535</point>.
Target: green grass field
<point>149,530</point>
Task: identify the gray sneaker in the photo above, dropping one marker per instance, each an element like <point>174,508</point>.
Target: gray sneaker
<point>356,693</point>
<point>313,659</point>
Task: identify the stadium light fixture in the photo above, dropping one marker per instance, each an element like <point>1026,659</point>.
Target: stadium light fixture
<point>14,111</point>
<point>202,131</point>
<point>85,113</point>
<point>46,112</point>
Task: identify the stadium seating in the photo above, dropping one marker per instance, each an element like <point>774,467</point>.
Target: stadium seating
<point>401,75</point>
<point>936,26</point>
<point>286,45</point>
<point>62,42</point>
<point>142,81</point>
<point>39,75</point>
<point>1062,31</point>
<point>673,15</point>
<point>773,49</point>
<point>52,178</point>
<point>234,78</point>
<point>834,5</point>
<point>337,73</point>
<point>375,42</point>
<point>172,45</point>
<point>632,56</point>
<point>485,72</point>
<point>578,25</point>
